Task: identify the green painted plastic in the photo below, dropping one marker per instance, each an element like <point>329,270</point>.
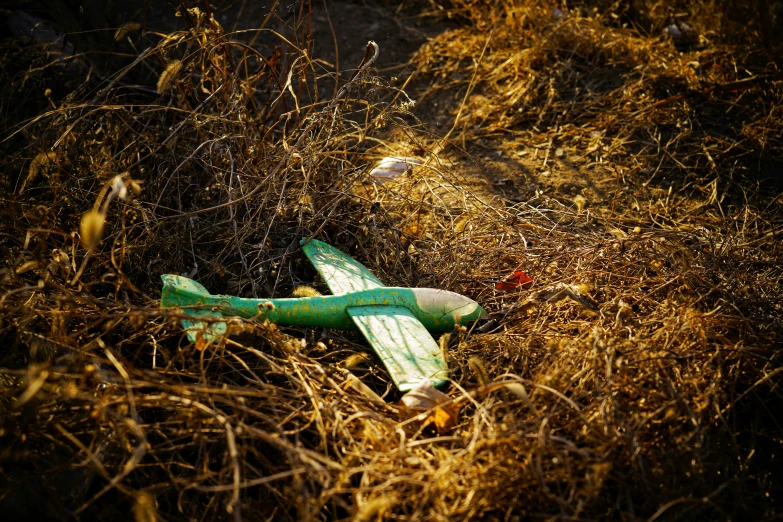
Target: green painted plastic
<point>405,347</point>
<point>394,320</point>
<point>340,272</point>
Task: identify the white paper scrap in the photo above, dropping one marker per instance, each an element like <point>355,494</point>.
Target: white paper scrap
<point>394,166</point>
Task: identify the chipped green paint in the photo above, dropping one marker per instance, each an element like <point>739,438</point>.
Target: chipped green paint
<point>395,320</point>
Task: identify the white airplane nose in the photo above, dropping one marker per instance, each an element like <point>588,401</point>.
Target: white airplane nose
<point>444,303</point>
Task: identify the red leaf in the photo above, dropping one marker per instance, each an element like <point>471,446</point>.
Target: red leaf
<point>514,281</point>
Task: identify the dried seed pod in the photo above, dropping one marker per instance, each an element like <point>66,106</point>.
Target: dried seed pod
<point>355,360</point>
<point>39,163</point>
<point>305,291</point>
<point>580,202</point>
<point>91,228</point>
<point>478,367</point>
<point>168,75</point>
<point>125,29</point>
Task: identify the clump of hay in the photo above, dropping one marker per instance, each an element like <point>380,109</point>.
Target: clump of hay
<point>632,378</point>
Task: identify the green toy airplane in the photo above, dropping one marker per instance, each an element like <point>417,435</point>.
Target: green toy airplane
<point>394,320</point>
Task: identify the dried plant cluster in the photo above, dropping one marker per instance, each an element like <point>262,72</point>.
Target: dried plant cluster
<point>635,378</point>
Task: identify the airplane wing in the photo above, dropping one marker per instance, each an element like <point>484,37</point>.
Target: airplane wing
<point>406,348</point>
<point>340,272</point>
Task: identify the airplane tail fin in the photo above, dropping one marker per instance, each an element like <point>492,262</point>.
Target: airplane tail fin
<point>180,291</point>
<point>188,295</point>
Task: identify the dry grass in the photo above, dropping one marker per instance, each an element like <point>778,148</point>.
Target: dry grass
<point>635,379</point>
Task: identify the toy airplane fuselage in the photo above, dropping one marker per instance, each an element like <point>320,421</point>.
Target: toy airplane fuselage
<point>437,310</point>
<point>394,320</point>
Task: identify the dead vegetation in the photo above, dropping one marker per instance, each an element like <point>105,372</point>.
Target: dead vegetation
<point>635,378</point>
